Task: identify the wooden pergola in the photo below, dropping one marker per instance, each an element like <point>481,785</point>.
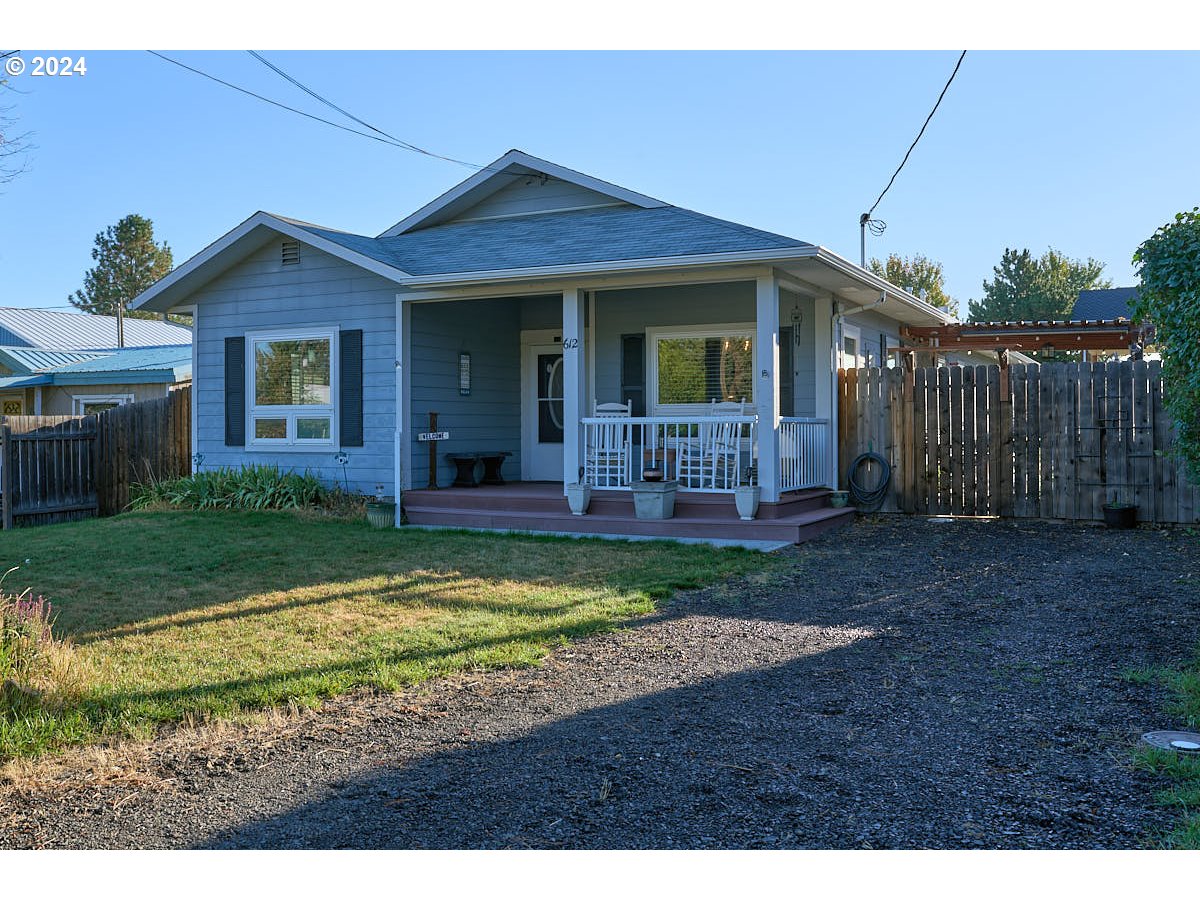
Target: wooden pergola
<point>1087,335</point>
<point>1002,337</point>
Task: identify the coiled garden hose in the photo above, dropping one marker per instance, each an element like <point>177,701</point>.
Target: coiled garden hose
<point>870,498</point>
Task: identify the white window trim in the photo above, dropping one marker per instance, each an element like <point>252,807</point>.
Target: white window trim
<point>291,413</point>
<point>654,335</point>
<point>850,331</point>
<point>891,360</point>
<point>78,400</point>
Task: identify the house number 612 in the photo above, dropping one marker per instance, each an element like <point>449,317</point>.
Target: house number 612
<point>570,343</point>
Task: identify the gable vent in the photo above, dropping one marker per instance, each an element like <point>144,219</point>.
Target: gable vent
<point>291,253</point>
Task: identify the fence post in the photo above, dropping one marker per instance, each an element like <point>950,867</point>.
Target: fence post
<point>6,473</point>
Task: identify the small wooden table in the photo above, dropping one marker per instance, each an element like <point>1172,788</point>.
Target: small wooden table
<point>465,464</point>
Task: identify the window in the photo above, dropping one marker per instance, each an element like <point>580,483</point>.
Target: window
<point>851,350</point>
<point>291,388</point>
<point>90,404</point>
<point>695,367</point>
<point>891,360</point>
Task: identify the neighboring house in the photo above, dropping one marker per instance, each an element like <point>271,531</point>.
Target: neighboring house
<point>81,382</point>
<point>61,363</point>
<point>511,306</point>
<point>1104,304</point>
<point>50,329</point>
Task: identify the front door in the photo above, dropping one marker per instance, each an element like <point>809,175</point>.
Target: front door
<point>542,413</point>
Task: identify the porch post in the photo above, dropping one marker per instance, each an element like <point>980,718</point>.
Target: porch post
<point>574,383</point>
<point>767,390</point>
<point>825,372</point>
<point>403,430</point>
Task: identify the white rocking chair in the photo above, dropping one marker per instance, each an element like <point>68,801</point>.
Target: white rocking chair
<point>714,461</point>
<point>608,458</point>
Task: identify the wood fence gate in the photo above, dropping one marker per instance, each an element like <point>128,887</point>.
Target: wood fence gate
<point>1057,441</point>
<point>59,468</point>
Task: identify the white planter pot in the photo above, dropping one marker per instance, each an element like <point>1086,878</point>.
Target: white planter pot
<point>746,499</point>
<point>579,496</point>
<point>654,499</point>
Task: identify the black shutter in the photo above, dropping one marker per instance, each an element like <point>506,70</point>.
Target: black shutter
<point>350,388</point>
<point>787,374</point>
<point>235,392</point>
<point>633,372</point>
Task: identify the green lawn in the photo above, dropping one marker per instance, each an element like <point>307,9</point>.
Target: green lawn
<point>1180,771</point>
<point>195,614</point>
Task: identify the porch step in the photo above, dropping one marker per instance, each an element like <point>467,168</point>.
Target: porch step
<point>794,529</point>
<point>549,500</point>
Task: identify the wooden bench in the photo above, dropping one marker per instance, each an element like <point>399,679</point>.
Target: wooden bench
<point>465,464</point>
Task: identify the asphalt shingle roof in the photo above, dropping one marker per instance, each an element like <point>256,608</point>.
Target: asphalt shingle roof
<point>1106,303</point>
<point>566,238</point>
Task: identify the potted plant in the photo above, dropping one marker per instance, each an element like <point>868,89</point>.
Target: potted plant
<point>1119,513</point>
<point>579,496</point>
<point>654,499</point>
<point>746,498</point>
<point>838,499</point>
<point>381,512</point>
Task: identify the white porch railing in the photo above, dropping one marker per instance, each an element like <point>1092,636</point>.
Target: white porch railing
<point>704,453</point>
<point>805,446</point>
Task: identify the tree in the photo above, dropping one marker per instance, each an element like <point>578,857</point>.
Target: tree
<point>127,262</point>
<point>13,145</point>
<point>1168,264</point>
<point>1025,289</point>
<point>920,276</point>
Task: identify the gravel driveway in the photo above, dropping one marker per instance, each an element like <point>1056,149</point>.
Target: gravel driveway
<point>901,683</point>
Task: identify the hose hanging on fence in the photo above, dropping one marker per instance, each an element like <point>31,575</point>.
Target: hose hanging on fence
<point>870,498</point>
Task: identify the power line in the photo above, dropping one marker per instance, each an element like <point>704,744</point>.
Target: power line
<point>251,93</point>
<point>381,136</point>
<point>405,144</point>
<point>892,180</point>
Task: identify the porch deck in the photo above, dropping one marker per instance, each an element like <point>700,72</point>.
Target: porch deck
<point>541,507</point>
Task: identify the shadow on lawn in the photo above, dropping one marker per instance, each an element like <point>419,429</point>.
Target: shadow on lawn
<point>185,563</point>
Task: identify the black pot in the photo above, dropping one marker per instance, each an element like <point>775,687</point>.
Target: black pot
<point>1120,516</point>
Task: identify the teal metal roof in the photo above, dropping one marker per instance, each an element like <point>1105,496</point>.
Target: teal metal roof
<point>133,365</point>
<point>32,359</point>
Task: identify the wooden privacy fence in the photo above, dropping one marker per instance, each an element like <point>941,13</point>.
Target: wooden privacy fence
<point>58,469</point>
<point>1060,442</point>
<point>140,442</point>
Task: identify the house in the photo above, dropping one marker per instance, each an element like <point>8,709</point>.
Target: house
<point>1104,304</point>
<point>67,363</point>
<point>584,329</point>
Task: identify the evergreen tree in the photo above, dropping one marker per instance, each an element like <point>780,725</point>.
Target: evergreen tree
<point>1026,289</point>
<point>127,262</point>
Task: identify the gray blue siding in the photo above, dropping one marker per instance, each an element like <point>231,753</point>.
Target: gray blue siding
<point>490,418</point>
<point>322,290</point>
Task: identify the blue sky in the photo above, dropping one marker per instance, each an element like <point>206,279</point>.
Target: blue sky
<point>1085,152</point>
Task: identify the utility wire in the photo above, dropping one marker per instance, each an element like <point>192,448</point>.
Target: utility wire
<point>405,144</point>
<point>380,135</point>
<point>867,215</point>
<point>250,93</point>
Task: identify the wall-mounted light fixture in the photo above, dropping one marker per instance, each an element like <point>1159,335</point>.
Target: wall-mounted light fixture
<point>464,374</point>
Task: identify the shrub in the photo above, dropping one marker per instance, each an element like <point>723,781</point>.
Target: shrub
<point>33,663</point>
<point>251,487</point>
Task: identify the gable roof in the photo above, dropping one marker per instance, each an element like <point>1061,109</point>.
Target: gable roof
<point>633,232</point>
<point>1105,303</point>
<point>48,328</point>
<point>557,239</point>
<point>500,174</point>
<point>36,359</point>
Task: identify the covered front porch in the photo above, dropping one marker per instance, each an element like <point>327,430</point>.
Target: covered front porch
<point>717,384</point>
